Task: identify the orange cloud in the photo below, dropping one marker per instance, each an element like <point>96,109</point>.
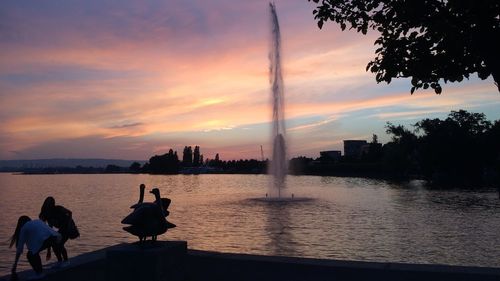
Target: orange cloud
<point>198,73</point>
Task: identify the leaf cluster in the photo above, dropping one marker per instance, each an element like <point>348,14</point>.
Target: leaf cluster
<point>427,40</point>
<point>457,149</point>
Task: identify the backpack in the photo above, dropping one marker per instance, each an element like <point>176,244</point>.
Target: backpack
<point>73,232</point>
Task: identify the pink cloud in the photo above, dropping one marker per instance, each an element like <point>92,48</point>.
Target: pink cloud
<point>184,68</point>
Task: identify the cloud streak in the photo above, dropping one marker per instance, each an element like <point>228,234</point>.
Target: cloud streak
<point>138,78</point>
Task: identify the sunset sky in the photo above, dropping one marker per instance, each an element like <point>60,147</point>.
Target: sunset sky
<point>131,79</point>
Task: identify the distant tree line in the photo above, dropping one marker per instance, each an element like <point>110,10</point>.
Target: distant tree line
<point>194,162</point>
<point>111,168</point>
<point>463,149</point>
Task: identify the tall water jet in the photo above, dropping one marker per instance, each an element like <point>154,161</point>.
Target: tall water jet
<point>278,167</point>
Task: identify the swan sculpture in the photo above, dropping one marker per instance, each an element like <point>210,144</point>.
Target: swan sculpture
<point>142,187</point>
<point>164,201</point>
<point>148,219</point>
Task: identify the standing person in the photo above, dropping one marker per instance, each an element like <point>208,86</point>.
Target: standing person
<point>61,218</point>
<point>37,236</point>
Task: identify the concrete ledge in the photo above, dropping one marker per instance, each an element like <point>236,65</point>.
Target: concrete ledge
<point>203,265</point>
<point>84,267</point>
<point>150,261</point>
<point>170,260</point>
<point>98,265</point>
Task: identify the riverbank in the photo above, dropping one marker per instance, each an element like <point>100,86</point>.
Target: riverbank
<point>171,260</point>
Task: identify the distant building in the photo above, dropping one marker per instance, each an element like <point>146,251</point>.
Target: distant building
<point>354,148</point>
<point>331,155</point>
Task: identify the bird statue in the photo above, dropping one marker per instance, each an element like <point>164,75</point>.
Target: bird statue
<point>148,219</point>
<point>142,187</point>
<point>165,203</point>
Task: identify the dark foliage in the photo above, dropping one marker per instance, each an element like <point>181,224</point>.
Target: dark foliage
<point>425,40</point>
<point>400,155</point>
<point>299,165</point>
<point>135,167</point>
<point>63,170</point>
<point>193,164</point>
<point>454,149</point>
<point>196,157</point>
<point>167,163</point>
<point>113,169</point>
<point>187,156</point>
<point>374,152</point>
<point>244,166</point>
<point>462,149</point>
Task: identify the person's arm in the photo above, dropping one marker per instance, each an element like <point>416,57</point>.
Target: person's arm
<point>54,233</point>
<point>14,266</point>
<point>48,218</point>
<point>19,249</point>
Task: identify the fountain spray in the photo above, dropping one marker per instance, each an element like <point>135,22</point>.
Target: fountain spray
<point>278,167</point>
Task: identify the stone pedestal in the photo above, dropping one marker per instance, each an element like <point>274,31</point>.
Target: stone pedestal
<point>152,261</point>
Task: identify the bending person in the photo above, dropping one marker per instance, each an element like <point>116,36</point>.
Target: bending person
<point>37,236</point>
<point>61,218</point>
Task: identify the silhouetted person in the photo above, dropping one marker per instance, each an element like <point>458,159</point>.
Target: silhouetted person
<point>61,218</point>
<point>37,236</point>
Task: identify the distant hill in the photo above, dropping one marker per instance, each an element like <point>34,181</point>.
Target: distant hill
<point>16,165</point>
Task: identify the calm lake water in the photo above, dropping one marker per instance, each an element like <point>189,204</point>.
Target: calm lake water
<point>347,218</point>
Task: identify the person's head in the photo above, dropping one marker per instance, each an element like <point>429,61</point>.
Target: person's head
<point>48,204</point>
<point>20,223</point>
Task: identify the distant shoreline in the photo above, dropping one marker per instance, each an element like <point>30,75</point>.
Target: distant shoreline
<point>344,174</point>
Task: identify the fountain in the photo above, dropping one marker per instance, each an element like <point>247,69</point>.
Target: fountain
<point>278,167</point>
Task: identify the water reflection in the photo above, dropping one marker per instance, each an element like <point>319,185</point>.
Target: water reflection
<point>347,218</point>
<point>190,182</point>
<point>278,226</point>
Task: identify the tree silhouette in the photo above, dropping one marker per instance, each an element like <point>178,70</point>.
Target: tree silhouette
<point>135,167</point>
<point>375,150</point>
<point>112,169</point>
<point>455,149</point>
<point>196,156</point>
<point>187,156</point>
<point>425,40</point>
<point>463,149</point>
<point>400,155</point>
<point>216,162</point>
<point>167,163</point>
<point>299,164</point>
